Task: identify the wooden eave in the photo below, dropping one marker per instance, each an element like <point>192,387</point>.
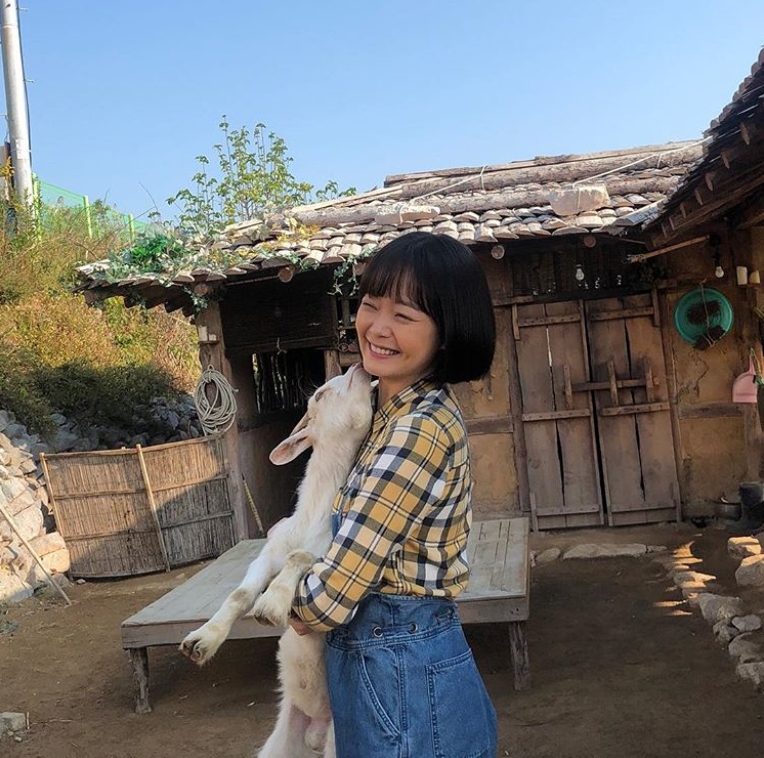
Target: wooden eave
<point>728,182</point>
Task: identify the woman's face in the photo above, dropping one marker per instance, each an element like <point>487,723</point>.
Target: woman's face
<point>398,342</point>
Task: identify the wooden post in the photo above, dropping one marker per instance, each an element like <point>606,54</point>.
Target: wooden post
<point>152,506</point>
<point>33,552</point>
<point>516,413</point>
<point>599,467</point>
<point>518,646</point>
<point>212,353</point>
<point>534,511</point>
<point>51,496</point>
<point>139,659</point>
<point>671,391</point>
<point>331,364</point>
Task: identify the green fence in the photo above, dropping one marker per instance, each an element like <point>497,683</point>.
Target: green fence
<point>48,198</point>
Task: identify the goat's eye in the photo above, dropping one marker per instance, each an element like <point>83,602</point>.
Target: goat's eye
<point>318,395</point>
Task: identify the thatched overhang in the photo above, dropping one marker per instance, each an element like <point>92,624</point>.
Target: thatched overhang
<point>728,183</point>
<point>603,193</point>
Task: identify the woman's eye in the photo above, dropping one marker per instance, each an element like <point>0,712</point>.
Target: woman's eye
<point>367,304</point>
<point>403,317</point>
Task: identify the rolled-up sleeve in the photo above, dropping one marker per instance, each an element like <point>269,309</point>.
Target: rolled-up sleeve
<point>405,479</point>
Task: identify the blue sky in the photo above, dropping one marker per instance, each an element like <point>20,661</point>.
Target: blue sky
<point>124,96</point>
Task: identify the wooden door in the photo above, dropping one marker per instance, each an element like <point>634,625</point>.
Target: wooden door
<point>557,424</point>
<point>633,418</point>
<point>595,415</point>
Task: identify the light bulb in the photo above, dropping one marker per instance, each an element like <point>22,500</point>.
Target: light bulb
<point>719,272</point>
<point>580,275</point>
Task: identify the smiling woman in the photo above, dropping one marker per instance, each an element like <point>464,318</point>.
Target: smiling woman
<point>400,673</point>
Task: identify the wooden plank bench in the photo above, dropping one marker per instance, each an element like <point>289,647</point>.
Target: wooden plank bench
<point>499,591</point>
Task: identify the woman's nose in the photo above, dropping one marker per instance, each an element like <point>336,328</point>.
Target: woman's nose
<point>380,325</point>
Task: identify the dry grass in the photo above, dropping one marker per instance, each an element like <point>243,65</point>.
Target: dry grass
<point>46,329</point>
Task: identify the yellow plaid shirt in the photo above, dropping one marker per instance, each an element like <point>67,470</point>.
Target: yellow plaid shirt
<point>406,506</point>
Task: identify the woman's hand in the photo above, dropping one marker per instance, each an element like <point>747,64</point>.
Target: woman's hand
<point>299,626</point>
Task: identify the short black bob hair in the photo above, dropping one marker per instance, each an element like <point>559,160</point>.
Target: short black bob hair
<point>442,278</point>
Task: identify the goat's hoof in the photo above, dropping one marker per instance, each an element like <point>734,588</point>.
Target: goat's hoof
<point>271,613</point>
<point>196,649</point>
<point>264,620</point>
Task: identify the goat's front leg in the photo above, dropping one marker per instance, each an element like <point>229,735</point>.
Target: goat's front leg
<point>275,604</point>
<point>201,644</point>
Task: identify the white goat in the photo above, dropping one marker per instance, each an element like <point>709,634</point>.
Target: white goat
<point>338,419</point>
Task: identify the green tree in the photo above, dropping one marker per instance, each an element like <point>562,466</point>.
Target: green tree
<point>253,178</point>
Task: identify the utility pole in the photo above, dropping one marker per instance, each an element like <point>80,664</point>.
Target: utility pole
<point>16,100</point>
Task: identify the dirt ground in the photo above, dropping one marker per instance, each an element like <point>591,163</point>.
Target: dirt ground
<point>620,667</point>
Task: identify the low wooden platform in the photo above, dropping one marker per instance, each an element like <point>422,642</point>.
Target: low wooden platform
<point>499,591</point>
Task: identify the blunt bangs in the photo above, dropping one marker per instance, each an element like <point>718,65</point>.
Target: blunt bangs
<point>394,272</point>
<point>440,277</point>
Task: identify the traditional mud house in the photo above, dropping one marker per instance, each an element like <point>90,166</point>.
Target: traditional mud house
<point>595,410</point>
<point>627,293</point>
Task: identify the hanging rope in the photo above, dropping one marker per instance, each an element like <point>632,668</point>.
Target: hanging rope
<point>216,408</point>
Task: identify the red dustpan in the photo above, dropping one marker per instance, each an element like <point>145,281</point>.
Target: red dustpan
<point>745,388</point>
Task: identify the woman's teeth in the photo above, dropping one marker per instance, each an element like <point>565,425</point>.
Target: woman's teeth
<point>381,350</point>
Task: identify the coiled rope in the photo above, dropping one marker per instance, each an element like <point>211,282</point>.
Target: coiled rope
<point>216,408</point>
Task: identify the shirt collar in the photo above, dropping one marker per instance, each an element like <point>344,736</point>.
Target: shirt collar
<point>405,400</point>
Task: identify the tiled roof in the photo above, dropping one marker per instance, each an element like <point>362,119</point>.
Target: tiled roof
<point>539,198</point>
<point>544,197</point>
<point>732,148</point>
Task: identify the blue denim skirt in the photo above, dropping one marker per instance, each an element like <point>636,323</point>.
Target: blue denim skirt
<point>403,683</point>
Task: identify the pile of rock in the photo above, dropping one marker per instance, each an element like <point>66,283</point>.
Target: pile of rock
<point>733,626</point>
<point>24,497</point>
<point>161,420</point>
<point>750,549</point>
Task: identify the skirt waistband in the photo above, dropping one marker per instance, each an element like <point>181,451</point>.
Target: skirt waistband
<point>381,616</point>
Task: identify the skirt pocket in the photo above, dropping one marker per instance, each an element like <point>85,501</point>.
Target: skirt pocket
<point>463,718</point>
<point>365,699</point>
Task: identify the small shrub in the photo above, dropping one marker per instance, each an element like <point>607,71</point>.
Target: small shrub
<point>109,396</point>
<point>19,392</point>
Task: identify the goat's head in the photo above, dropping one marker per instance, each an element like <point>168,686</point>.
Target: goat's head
<point>339,412</point>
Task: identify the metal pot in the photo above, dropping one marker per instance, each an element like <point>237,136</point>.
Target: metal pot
<point>730,511</point>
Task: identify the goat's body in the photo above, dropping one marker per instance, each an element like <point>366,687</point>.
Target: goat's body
<point>304,723</point>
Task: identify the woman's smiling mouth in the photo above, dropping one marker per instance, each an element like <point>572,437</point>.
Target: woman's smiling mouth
<point>380,352</point>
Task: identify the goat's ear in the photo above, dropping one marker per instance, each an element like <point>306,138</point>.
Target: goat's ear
<point>301,424</point>
<point>286,451</point>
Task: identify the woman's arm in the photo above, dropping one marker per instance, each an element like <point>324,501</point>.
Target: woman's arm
<point>407,477</point>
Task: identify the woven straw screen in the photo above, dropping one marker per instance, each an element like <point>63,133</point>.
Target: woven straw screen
<point>134,511</point>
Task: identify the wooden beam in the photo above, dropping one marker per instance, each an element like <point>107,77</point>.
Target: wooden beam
<point>569,171</point>
<point>639,257</point>
<point>457,203</point>
<point>622,156</point>
<point>153,507</point>
<point>727,195</point>
<point>750,213</point>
